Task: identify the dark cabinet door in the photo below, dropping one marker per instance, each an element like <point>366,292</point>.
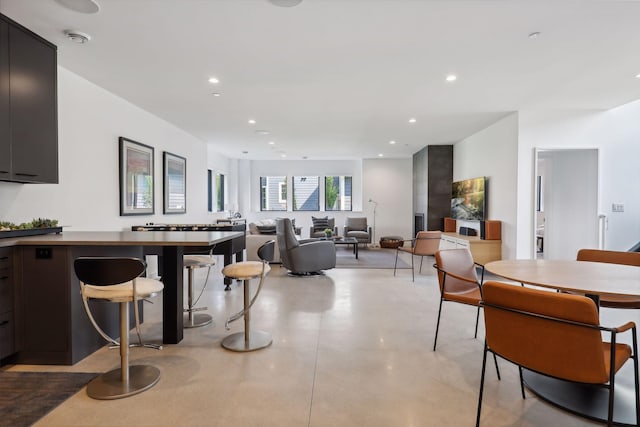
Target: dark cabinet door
<point>33,115</point>
<point>5,141</point>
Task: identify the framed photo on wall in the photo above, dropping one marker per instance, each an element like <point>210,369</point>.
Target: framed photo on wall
<point>175,183</point>
<point>136,178</point>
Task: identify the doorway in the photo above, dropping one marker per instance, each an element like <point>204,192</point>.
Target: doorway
<point>566,202</point>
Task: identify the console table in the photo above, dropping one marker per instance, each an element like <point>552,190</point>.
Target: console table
<point>483,251</point>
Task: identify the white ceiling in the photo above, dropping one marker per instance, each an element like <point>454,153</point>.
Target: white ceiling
<point>340,78</point>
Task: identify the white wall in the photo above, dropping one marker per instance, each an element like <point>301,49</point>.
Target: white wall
<point>90,121</point>
<point>492,153</point>
<point>616,135</point>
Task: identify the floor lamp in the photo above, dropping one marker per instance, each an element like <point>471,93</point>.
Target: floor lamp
<point>375,206</point>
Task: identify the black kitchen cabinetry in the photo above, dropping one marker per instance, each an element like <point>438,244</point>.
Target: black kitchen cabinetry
<point>28,106</point>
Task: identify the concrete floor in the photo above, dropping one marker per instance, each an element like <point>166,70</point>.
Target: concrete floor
<point>350,348</point>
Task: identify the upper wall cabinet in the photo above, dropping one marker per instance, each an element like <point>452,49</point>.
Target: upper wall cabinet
<point>28,106</point>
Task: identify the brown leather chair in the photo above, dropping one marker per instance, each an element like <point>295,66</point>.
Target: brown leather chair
<point>613,257</point>
<point>554,334</point>
<point>458,281</point>
<point>426,243</point>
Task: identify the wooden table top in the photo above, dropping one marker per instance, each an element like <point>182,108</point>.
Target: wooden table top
<point>127,238</point>
<point>595,278</point>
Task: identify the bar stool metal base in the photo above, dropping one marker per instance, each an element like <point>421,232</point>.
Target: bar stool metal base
<point>257,340</point>
<point>197,320</point>
<point>110,386</point>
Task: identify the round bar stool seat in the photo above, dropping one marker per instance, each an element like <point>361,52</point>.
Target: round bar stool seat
<point>249,340</point>
<point>192,262</point>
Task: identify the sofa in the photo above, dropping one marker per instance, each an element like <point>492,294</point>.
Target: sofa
<point>260,232</point>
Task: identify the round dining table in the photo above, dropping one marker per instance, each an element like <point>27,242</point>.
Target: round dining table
<point>593,279</point>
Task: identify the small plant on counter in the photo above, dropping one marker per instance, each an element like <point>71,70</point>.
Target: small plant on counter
<point>36,223</point>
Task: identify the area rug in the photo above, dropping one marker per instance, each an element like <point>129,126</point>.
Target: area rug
<point>25,397</point>
<point>367,258</point>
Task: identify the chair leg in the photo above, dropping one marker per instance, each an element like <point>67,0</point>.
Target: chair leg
<point>413,278</point>
<point>421,259</point>
<point>635,371</point>
<point>396,264</point>
<point>477,319</point>
<point>495,361</point>
<point>435,339</point>
<point>521,382</point>
<point>484,364</point>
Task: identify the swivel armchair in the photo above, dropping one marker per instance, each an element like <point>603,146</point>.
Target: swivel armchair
<point>303,257</point>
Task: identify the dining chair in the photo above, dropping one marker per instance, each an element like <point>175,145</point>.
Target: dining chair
<point>118,280</point>
<point>426,243</point>
<point>613,257</point>
<point>556,335</point>
<point>458,281</point>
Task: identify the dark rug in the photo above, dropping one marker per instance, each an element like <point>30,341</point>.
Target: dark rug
<point>367,258</point>
<point>25,397</point>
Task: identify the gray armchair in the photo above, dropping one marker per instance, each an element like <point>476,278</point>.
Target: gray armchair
<point>317,232</point>
<point>303,257</point>
<point>357,227</point>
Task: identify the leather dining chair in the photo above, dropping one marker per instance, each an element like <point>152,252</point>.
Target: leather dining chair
<point>613,257</point>
<point>556,335</point>
<point>118,280</point>
<point>458,282</point>
<point>426,243</point>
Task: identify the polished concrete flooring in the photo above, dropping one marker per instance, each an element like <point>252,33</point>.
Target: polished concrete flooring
<point>350,348</point>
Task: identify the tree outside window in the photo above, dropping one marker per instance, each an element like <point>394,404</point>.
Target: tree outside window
<point>337,193</point>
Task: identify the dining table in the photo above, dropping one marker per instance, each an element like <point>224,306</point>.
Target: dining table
<point>593,279</point>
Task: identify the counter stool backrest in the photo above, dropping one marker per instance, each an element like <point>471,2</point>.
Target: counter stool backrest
<point>107,271</point>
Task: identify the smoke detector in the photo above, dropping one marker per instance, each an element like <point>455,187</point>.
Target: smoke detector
<point>77,36</point>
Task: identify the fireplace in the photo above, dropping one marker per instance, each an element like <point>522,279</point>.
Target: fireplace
<point>418,223</point>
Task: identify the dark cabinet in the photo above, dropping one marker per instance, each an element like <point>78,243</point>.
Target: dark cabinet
<point>28,106</point>
<point>7,327</point>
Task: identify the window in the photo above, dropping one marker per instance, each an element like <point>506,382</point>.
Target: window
<point>273,193</point>
<point>337,193</point>
<point>306,193</point>
<point>217,189</point>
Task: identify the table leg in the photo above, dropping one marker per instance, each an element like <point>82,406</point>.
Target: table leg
<point>172,298</point>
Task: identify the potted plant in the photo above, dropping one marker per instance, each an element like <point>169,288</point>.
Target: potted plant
<point>327,232</point>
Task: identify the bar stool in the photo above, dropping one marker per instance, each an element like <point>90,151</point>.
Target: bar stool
<point>191,263</point>
<point>117,280</point>
<point>249,340</point>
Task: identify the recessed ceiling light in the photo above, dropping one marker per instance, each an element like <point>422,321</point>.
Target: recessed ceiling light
<point>271,143</point>
<point>77,36</point>
<point>451,78</point>
<point>251,122</point>
<point>412,120</point>
<point>81,6</point>
<point>638,76</point>
<point>216,94</point>
<point>380,155</point>
<point>392,142</point>
<point>214,80</point>
<point>534,35</point>
<point>283,155</point>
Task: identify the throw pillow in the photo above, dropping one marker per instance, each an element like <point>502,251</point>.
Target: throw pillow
<point>320,224</point>
<point>267,229</point>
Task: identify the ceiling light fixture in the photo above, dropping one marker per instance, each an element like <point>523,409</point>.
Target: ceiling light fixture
<point>214,80</point>
<point>251,122</point>
<point>380,155</point>
<point>283,155</point>
<point>77,36</point>
<point>638,76</point>
<point>215,94</point>
<point>412,120</point>
<point>271,143</point>
<point>451,78</point>
<point>81,6</point>
<point>534,35</point>
<point>392,142</point>
<point>285,3</point>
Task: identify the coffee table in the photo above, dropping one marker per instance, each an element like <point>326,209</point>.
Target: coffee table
<point>347,241</point>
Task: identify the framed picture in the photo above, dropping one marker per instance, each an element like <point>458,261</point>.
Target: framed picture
<point>175,183</point>
<point>136,178</point>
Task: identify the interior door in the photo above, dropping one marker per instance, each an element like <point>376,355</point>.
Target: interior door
<point>570,200</point>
